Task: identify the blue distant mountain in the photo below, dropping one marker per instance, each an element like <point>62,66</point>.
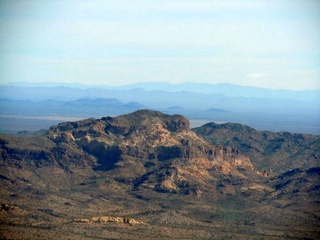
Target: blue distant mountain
<point>226,89</point>
<point>265,109</point>
<point>84,107</point>
<point>216,110</point>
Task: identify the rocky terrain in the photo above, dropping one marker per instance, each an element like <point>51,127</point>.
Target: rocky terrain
<point>279,151</point>
<point>146,175</point>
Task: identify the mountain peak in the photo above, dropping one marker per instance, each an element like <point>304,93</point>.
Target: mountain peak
<point>174,123</point>
<point>146,138</point>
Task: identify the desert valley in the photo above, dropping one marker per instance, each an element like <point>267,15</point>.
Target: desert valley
<point>147,175</point>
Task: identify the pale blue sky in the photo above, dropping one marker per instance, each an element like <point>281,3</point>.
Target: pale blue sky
<point>272,43</point>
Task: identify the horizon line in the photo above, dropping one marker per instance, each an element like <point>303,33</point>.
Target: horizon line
<point>97,85</point>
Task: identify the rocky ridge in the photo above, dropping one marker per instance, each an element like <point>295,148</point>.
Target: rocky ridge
<point>108,219</point>
<point>279,151</point>
<point>149,167</point>
<point>145,140</point>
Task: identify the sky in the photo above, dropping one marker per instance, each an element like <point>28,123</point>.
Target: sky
<point>266,43</point>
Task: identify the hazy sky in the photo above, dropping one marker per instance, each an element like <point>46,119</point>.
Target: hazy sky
<point>272,43</point>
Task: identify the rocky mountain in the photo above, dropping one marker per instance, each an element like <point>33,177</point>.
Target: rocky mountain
<point>147,175</point>
<point>279,151</point>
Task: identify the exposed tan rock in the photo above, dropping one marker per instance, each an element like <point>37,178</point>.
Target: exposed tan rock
<point>243,162</point>
<point>81,220</point>
<point>62,137</point>
<point>132,221</point>
<point>266,173</point>
<point>169,185</point>
<point>223,167</point>
<point>109,219</point>
<point>257,187</point>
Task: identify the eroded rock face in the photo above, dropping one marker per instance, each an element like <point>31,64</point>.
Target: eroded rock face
<point>81,220</point>
<point>143,134</point>
<point>152,140</point>
<point>109,219</point>
<point>146,149</point>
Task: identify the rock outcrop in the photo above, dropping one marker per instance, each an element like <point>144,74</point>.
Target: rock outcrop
<point>109,219</point>
<point>161,147</point>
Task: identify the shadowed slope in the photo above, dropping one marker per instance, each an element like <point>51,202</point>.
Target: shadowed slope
<point>278,151</point>
<point>149,167</point>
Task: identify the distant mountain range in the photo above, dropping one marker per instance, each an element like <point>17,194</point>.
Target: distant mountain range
<point>264,109</point>
<point>84,107</point>
<point>230,90</point>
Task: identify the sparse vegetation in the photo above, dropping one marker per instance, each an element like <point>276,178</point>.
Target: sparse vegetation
<point>164,175</point>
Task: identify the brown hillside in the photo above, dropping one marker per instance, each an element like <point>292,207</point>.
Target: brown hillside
<point>146,175</point>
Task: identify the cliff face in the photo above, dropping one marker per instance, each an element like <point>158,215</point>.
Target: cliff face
<point>151,167</point>
<point>143,144</point>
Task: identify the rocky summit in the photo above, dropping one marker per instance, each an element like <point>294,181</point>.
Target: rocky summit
<point>155,178</point>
